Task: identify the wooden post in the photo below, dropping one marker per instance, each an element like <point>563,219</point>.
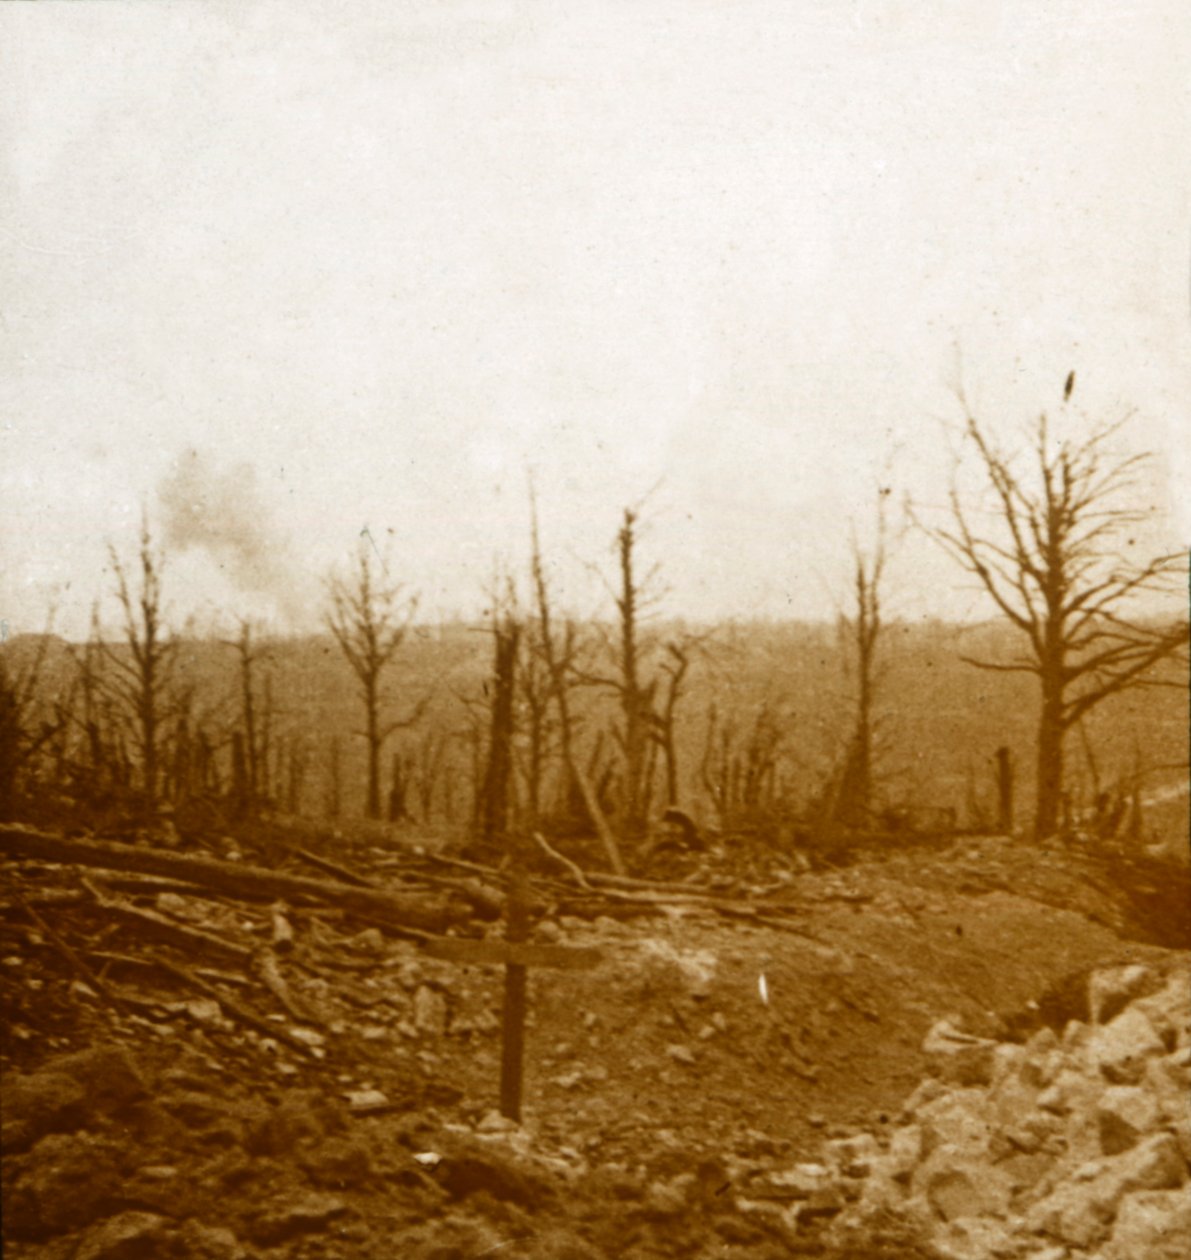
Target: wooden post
<point>1004,790</point>
<point>517,954</point>
<point>516,985</point>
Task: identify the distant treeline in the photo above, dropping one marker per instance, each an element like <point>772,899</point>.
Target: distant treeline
<point>759,727</point>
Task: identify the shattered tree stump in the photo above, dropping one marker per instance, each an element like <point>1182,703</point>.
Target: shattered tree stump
<point>517,955</point>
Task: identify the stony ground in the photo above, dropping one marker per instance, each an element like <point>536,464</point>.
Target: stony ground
<point>724,1083</point>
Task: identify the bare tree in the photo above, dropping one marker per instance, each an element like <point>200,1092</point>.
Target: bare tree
<point>369,617</point>
<point>99,718</point>
<point>558,655</point>
<point>1052,558</point>
<point>253,745</point>
<point>21,737</point>
<point>861,630</point>
<point>141,673</point>
<point>642,732</point>
<point>635,694</point>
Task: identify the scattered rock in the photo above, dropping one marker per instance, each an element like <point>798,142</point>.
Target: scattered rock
<point>302,1117</point>
<point>1154,1164</point>
<point>669,1198</point>
<point>956,1187</point>
<point>339,1163</point>
<point>209,1242</point>
<point>218,1119</point>
<point>304,1214</point>
<point>107,1073</point>
<point>66,1182</point>
<point>1120,1048</point>
<point>855,1156</point>
<point>430,1011</point>
<point>369,941</point>
<point>978,1238</point>
<point>664,967</point>
<point>799,1182</point>
<point>44,1102</point>
<point>1125,1113</point>
<point>129,1236</point>
<point>469,1166</point>
<point>1154,1224</point>
<point>365,1100</point>
<point>1111,989</point>
<point>65,1092</point>
<point>494,1122</point>
<point>957,1057</point>
<point>206,1012</point>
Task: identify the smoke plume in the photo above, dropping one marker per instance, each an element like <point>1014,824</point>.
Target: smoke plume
<point>220,510</point>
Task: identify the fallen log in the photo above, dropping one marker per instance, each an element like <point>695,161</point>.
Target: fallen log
<point>328,867</point>
<point>234,878</point>
<point>136,963</point>
<point>594,880</point>
<point>246,1014</point>
<point>97,984</point>
<point>149,886</point>
<point>196,941</point>
<point>264,965</point>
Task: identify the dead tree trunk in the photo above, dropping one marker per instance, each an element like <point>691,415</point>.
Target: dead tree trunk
<point>141,675</point>
<point>636,700</point>
<point>498,775</point>
<point>675,669</point>
<point>535,697</point>
<point>334,794</point>
<point>863,629</point>
<point>558,663</point>
<point>398,789</point>
<point>1004,790</point>
<point>369,619</point>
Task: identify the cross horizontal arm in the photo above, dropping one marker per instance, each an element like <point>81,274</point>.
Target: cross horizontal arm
<point>517,953</point>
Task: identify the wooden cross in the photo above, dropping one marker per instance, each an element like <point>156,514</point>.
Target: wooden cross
<point>517,954</point>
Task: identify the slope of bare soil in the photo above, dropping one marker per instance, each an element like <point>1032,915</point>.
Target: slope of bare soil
<point>333,1093</point>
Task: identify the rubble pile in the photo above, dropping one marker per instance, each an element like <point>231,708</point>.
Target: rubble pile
<point>1075,1143</point>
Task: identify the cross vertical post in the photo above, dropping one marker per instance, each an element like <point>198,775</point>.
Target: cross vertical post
<point>513,1015</point>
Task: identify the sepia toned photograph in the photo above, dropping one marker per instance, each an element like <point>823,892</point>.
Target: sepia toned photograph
<point>594,629</point>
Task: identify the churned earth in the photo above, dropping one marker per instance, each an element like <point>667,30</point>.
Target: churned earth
<point>706,1089</point>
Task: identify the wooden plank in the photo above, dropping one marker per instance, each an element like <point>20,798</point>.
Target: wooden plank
<point>517,953</point>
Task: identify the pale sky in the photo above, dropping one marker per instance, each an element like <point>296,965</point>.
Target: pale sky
<point>317,268</point>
